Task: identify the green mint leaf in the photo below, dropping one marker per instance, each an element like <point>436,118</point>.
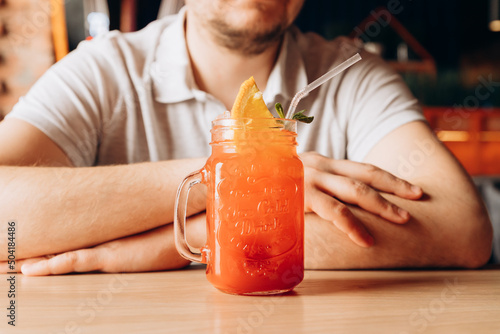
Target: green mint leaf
<point>279,110</point>
<point>299,116</point>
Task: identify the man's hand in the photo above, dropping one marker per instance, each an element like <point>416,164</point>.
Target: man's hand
<point>331,183</point>
<point>149,251</point>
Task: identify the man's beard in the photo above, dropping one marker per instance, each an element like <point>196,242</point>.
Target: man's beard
<point>247,42</point>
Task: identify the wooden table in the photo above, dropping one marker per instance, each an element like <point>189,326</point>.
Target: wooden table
<point>183,301</point>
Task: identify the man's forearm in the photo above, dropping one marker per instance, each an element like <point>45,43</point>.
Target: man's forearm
<point>439,234</point>
<point>61,209</point>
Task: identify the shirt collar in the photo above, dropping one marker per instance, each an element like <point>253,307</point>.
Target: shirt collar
<point>173,79</point>
<point>171,72</point>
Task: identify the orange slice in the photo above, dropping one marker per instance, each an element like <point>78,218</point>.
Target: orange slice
<point>249,102</point>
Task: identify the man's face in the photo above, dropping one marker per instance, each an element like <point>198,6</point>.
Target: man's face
<point>245,26</point>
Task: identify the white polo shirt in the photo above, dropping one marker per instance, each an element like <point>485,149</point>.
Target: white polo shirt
<point>127,98</point>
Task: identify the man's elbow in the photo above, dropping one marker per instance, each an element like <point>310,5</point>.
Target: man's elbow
<point>475,242</point>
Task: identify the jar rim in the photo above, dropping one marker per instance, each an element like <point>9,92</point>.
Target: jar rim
<point>255,123</point>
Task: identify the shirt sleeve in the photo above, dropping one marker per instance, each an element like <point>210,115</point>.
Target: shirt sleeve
<point>378,102</point>
<point>68,102</point>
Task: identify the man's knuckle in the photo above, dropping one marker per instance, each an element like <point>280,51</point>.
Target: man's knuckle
<point>342,211</point>
<point>371,169</point>
<point>360,188</point>
<point>401,183</point>
<point>95,258</point>
<point>86,255</point>
<point>385,205</point>
<point>71,258</point>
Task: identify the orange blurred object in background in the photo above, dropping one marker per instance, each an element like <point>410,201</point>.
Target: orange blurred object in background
<point>473,136</point>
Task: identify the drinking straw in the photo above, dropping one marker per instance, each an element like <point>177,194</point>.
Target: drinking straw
<point>318,82</point>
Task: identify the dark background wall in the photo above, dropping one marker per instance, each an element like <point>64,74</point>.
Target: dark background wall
<point>448,29</point>
<point>455,33</point>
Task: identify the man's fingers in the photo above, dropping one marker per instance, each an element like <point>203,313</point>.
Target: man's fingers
<point>330,209</point>
<point>82,260</point>
<point>378,179</point>
<point>356,192</point>
<point>366,173</point>
<point>389,183</point>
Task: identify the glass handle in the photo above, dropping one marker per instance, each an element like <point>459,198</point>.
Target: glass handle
<point>180,218</point>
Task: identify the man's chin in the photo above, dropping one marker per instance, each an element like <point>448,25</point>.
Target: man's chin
<point>247,41</point>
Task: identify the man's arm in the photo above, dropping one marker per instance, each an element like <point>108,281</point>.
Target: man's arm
<point>58,209</point>
<point>152,250</point>
<point>449,226</point>
<point>148,251</point>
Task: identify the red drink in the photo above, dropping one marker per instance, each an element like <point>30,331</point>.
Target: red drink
<point>255,207</point>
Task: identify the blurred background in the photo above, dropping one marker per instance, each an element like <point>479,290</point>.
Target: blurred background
<point>447,51</point>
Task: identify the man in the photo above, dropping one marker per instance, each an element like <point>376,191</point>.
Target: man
<point>93,155</point>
